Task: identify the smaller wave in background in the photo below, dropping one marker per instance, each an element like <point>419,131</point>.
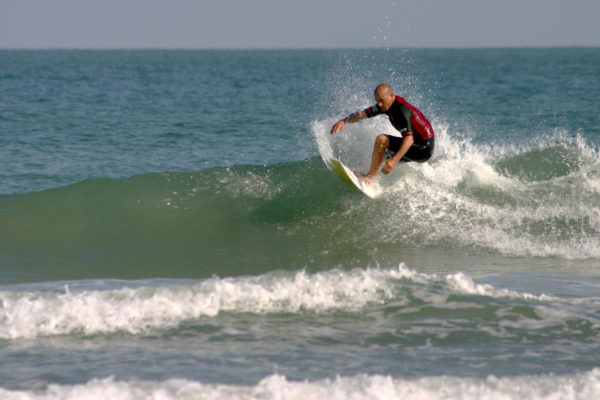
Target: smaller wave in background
<point>584,386</point>
<point>401,294</point>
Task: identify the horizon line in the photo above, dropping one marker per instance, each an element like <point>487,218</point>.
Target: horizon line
<point>159,48</point>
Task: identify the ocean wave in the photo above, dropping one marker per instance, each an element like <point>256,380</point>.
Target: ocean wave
<point>148,308</point>
<point>581,386</point>
<point>252,219</point>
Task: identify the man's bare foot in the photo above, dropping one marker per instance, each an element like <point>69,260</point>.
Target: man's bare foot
<point>366,179</point>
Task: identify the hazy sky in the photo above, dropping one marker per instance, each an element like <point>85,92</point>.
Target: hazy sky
<point>297,23</point>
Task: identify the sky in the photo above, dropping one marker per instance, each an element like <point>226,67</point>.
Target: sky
<point>274,24</point>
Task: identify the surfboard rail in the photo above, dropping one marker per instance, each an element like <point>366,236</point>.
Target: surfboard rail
<point>350,177</point>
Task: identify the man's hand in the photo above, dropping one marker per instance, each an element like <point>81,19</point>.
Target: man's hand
<point>389,166</point>
<point>352,118</point>
<point>339,126</point>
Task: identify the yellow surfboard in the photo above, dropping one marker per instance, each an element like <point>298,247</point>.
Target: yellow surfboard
<point>349,176</point>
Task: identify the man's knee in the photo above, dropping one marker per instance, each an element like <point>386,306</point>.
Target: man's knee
<point>382,141</point>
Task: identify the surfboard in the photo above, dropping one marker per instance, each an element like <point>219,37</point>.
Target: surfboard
<point>350,177</point>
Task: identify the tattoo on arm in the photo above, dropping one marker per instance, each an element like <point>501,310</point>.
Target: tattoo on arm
<point>354,117</point>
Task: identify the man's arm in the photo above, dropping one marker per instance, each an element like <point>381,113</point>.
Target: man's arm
<point>352,118</point>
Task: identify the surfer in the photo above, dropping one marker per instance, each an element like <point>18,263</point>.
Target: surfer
<point>416,143</point>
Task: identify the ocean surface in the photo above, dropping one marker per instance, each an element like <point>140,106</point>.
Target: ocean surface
<point>169,226</point>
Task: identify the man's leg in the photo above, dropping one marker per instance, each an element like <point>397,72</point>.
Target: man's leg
<point>382,142</point>
<point>420,152</point>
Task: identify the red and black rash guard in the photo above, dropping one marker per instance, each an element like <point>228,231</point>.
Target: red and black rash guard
<point>406,118</point>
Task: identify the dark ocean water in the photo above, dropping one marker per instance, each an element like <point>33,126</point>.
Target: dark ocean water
<point>168,226</point>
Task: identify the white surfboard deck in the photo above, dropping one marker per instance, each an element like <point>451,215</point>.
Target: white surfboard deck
<point>349,176</point>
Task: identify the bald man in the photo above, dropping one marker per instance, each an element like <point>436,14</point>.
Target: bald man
<point>417,141</point>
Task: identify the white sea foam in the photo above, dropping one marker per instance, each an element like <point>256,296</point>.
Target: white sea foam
<point>468,199</point>
<point>31,314</point>
<point>28,314</point>
<point>581,386</point>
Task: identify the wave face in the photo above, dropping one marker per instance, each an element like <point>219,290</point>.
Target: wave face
<point>534,202</point>
<point>227,221</point>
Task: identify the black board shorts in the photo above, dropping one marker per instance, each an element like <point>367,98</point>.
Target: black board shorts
<point>418,152</point>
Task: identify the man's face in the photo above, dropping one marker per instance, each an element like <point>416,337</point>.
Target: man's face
<point>384,99</point>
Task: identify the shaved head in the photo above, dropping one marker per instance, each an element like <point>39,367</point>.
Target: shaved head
<point>384,89</point>
<point>384,96</point>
